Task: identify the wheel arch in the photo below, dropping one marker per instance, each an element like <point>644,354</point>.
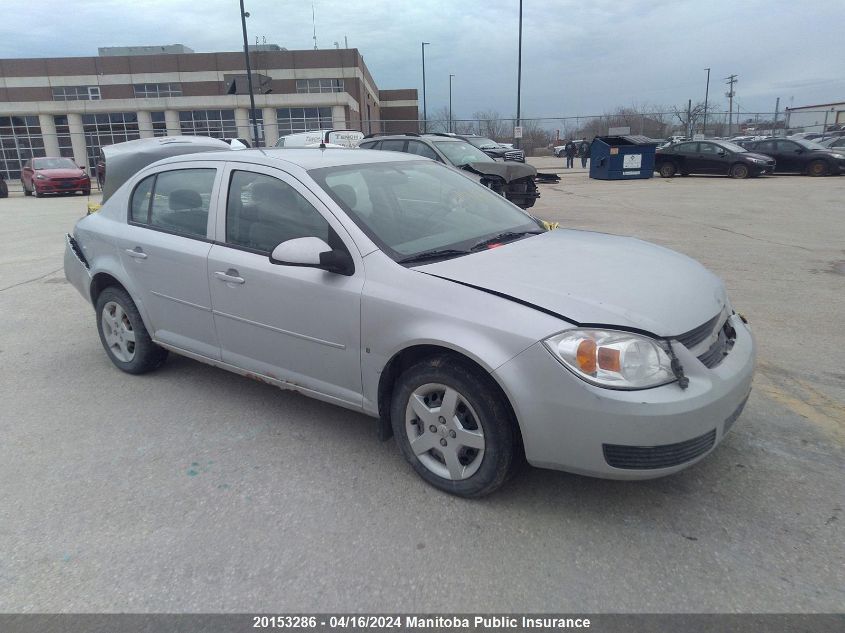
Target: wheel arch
<point>412,354</point>
<point>103,279</point>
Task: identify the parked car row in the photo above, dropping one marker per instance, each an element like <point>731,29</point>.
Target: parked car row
<point>749,158</point>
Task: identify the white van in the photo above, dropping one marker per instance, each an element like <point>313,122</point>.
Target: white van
<point>330,138</point>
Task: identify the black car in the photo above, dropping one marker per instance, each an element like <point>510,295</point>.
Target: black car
<point>801,156</point>
<point>710,157</point>
<point>492,148</point>
<point>516,182</point>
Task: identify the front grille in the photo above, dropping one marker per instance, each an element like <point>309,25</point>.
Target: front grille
<point>515,155</point>
<point>64,179</point>
<point>695,336</point>
<point>720,348</point>
<point>651,457</point>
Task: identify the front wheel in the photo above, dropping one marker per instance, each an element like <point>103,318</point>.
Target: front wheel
<point>453,428</point>
<point>123,334</point>
<point>667,170</point>
<point>817,168</point>
<point>739,171</point>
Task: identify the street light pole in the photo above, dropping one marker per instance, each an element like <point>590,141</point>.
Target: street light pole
<point>450,101</point>
<point>244,16</point>
<point>706,96</point>
<point>519,77</point>
<point>425,113</point>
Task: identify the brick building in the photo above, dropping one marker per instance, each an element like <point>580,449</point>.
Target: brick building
<point>72,106</point>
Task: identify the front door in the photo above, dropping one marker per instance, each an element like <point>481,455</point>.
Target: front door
<point>790,156</point>
<point>164,249</point>
<point>711,159</point>
<point>291,323</point>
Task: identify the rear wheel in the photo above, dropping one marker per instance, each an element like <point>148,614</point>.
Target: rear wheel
<point>123,334</point>
<point>818,168</point>
<point>26,192</point>
<point>453,428</point>
<point>739,171</point>
<point>667,170</point>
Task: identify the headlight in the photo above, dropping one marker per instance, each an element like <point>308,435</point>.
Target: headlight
<point>839,156</point>
<point>614,359</point>
<point>40,177</point>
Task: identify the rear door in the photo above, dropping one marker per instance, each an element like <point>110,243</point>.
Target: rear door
<point>685,156</point>
<point>164,248</point>
<point>291,323</point>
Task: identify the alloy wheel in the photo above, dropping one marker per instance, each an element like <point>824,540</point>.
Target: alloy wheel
<point>118,332</point>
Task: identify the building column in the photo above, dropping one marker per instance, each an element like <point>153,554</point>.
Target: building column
<point>242,121</point>
<point>271,127</point>
<point>339,121</point>
<point>48,133</point>
<point>171,119</point>
<point>77,139</point>
<point>145,124</point>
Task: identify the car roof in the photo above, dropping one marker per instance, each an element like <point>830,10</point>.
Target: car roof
<point>305,158</point>
<point>423,137</point>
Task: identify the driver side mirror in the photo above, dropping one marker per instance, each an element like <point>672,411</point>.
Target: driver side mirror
<point>312,252</point>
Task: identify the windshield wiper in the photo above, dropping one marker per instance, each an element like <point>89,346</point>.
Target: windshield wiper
<point>508,236</point>
<point>437,253</point>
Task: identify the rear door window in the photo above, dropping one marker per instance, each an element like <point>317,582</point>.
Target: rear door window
<point>421,149</point>
<point>393,145</point>
<point>175,201</point>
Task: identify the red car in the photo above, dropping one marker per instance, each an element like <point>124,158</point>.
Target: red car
<point>53,175</point>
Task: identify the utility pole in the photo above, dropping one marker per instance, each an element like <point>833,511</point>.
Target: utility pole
<point>244,16</point>
<point>450,101</point>
<point>706,96</point>
<point>730,95</point>
<point>425,114</point>
<point>775,124</point>
<point>689,119</point>
<point>519,77</point>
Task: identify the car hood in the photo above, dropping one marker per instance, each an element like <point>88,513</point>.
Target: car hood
<point>509,171</point>
<point>60,173</point>
<point>595,278</point>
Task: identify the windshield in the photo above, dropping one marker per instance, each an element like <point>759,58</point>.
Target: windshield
<point>459,153</point>
<point>731,147</point>
<point>53,163</point>
<point>483,142</point>
<point>413,207</point>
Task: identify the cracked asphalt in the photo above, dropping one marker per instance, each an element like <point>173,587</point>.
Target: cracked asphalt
<point>194,490</point>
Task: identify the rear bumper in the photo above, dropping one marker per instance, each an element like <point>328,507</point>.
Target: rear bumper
<point>570,425</point>
<point>76,268</point>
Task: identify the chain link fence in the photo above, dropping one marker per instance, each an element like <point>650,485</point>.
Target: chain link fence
<point>22,139</point>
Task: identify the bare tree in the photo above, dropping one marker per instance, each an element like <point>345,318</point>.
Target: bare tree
<point>438,121</point>
<point>491,124</point>
<point>689,116</point>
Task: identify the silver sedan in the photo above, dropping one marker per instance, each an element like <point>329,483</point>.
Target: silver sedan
<point>399,288</point>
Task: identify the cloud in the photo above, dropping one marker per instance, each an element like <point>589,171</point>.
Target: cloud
<point>579,58</point>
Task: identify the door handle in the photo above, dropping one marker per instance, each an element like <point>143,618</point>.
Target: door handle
<point>230,276</point>
<point>137,254</point>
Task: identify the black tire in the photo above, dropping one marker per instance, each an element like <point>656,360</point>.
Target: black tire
<point>502,450</point>
<point>86,192</point>
<point>818,168</point>
<point>4,189</point>
<point>147,356</point>
<point>738,170</point>
<point>26,191</point>
<point>667,169</point>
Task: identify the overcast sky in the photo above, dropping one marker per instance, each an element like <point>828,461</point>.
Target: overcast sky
<point>579,58</point>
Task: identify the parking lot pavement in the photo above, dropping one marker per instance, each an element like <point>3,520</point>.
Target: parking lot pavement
<point>191,489</point>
